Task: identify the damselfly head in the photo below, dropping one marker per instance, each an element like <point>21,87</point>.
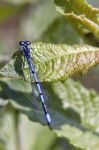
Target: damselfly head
<point>24,43</point>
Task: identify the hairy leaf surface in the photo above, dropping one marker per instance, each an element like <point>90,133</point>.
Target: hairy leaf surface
<point>83,16</point>
<point>54,62</point>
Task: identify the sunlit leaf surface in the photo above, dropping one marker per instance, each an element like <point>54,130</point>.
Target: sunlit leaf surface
<point>54,62</point>
<point>84,17</point>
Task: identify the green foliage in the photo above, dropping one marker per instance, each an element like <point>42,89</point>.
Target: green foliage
<point>62,53</point>
<point>54,62</point>
<point>60,31</point>
<point>84,18</point>
<point>75,115</point>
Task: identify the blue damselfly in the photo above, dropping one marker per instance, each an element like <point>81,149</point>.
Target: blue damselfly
<point>26,49</point>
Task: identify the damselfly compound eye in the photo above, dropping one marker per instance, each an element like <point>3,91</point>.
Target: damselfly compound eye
<point>22,43</point>
<point>28,42</point>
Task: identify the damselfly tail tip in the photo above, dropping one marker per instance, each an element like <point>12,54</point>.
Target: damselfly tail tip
<point>49,121</point>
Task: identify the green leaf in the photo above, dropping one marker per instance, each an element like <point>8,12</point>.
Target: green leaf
<point>8,132</point>
<point>61,31</point>
<point>31,135</point>
<point>83,16</point>
<point>54,62</point>
<point>74,110</point>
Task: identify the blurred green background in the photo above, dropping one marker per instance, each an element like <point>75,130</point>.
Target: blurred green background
<point>34,20</point>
